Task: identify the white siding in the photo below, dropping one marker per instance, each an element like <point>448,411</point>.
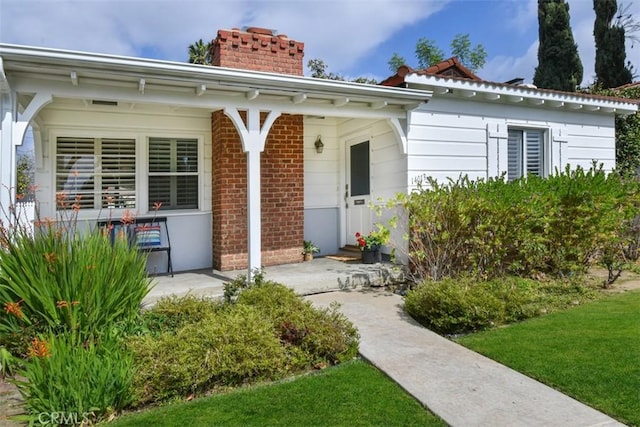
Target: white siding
<point>449,137</point>
<point>321,170</point>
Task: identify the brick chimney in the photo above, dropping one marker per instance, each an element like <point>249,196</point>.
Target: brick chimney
<point>258,49</point>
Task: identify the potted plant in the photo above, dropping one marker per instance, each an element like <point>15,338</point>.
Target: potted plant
<point>370,244</point>
<point>308,249</point>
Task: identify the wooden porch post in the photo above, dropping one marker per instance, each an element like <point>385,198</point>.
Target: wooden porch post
<point>253,137</point>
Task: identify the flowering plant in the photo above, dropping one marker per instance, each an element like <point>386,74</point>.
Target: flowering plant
<point>372,240</point>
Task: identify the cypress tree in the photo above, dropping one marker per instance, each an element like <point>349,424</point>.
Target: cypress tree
<point>559,65</point>
<point>610,49</point>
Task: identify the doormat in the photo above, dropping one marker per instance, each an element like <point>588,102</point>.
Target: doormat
<point>345,258</point>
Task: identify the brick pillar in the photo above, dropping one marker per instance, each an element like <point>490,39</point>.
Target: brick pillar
<point>282,195</point>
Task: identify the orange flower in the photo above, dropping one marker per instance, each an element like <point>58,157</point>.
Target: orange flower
<point>76,206</point>
<point>14,308</point>
<point>19,196</point>
<point>39,348</point>
<point>61,198</point>
<point>127,218</point>
<point>157,206</point>
<point>50,257</point>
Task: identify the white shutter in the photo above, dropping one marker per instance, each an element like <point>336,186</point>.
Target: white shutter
<point>95,173</point>
<point>75,166</point>
<point>534,152</point>
<point>118,172</point>
<point>514,155</point>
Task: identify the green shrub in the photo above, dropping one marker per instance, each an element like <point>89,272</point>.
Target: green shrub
<point>267,333</point>
<point>450,307</point>
<point>324,335</point>
<point>63,281</point>
<point>559,226</point>
<point>66,374</point>
<point>234,287</point>
<point>171,313</point>
<point>229,347</point>
<point>455,306</point>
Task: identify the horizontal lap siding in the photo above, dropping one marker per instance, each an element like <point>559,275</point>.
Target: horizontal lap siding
<point>321,170</point>
<point>591,142</point>
<point>449,137</point>
<point>389,166</point>
<point>444,145</point>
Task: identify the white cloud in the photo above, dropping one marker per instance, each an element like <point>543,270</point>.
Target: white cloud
<point>339,31</point>
<point>522,15</point>
<point>504,68</point>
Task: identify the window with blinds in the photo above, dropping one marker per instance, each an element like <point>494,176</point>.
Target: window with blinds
<point>95,173</point>
<point>173,173</point>
<point>525,153</point>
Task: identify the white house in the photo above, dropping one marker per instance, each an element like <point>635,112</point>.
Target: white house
<point>249,157</point>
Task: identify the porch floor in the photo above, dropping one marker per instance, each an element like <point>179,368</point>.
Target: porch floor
<point>322,274</point>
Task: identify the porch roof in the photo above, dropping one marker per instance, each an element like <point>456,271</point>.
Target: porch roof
<point>93,76</point>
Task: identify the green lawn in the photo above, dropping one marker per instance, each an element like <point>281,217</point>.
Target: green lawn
<point>591,352</point>
<point>352,394</point>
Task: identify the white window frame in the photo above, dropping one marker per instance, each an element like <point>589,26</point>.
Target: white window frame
<point>198,173</point>
<point>545,152</point>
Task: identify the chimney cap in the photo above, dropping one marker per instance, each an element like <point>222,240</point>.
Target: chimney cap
<point>259,30</point>
<point>517,81</point>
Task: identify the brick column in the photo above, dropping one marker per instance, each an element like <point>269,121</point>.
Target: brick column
<point>282,194</point>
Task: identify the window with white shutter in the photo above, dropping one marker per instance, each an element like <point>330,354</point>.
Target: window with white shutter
<point>525,153</point>
<point>95,173</point>
<point>173,173</point>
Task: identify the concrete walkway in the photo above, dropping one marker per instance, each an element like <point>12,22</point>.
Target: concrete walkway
<point>458,385</point>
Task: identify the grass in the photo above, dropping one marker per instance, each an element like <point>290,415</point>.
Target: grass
<point>351,394</point>
<point>591,353</point>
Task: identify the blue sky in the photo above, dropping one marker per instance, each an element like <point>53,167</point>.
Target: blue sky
<point>354,37</point>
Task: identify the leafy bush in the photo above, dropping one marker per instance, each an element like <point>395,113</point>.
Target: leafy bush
<point>454,306</point>
<point>266,333</point>
<point>69,375</point>
<point>324,335</point>
<point>558,226</point>
<point>62,281</point>
<point>228,347</point>
<point>171,313</point>
<point>233,287</point>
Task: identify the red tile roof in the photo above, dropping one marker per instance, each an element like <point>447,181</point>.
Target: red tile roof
<point>451,67</point>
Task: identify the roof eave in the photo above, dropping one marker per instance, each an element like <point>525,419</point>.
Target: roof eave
<point>40,58</point>
<point>532,97</point>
